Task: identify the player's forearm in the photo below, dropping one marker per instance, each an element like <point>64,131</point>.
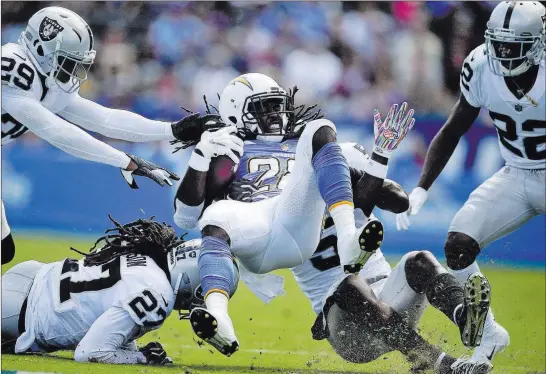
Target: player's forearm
<point>368,187</point>
<point>116,123</point>
<point>62,134</point>
<point>392,197</point>
<point>439,152</point>
<point>105,356</point>
<point>190,198</point>
<point>443,145</point>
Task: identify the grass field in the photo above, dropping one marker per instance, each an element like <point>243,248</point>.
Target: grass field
<point>276,337</point>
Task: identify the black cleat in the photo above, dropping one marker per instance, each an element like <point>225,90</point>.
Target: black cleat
<point>369,237</point>
<point>477,297</point>
<point>205,325</point>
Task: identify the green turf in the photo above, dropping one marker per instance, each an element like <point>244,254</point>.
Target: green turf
<point>276,337</point>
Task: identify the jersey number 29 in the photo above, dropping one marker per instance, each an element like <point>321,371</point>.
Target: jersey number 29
<point>21,77</point>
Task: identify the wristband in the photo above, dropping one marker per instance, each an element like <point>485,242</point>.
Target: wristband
<point>381,151</point>
<point>376,169</point>
<point>198,162</point>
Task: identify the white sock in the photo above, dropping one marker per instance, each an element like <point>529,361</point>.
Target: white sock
<point>344,220</point>
<point>217,300</point>
<point>462,276</point>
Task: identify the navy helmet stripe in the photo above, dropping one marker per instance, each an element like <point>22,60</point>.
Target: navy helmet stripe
<point>509,11</point>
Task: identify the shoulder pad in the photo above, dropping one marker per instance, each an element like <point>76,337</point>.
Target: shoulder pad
<point>356,155</point>
<point>19,73</point>
<point>471,74</point>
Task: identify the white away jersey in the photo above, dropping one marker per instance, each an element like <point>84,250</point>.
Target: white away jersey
<point>68,297</point>
<point>316,275</point>
<point>520,123</point>
<point>21,78</point>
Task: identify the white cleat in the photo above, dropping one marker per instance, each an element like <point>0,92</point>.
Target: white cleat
<point>494,340</point>
<point>366,241</point>
<point>215,327</point>
<point>467,365</point>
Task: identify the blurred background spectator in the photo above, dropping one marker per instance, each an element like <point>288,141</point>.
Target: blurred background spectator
<point>347,56</point>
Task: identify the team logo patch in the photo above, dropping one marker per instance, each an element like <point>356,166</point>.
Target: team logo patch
<point>390,134</point>
<point>518,108</point>
<point>285,147</point>
<point>244,81</point>
<point>49,29</point>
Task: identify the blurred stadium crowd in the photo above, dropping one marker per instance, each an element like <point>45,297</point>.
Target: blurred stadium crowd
<point>153,57</point>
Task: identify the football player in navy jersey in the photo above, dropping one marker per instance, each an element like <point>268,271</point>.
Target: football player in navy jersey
<point>294,172</point>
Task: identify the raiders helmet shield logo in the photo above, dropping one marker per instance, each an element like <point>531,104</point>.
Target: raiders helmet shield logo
<point>49,29</point>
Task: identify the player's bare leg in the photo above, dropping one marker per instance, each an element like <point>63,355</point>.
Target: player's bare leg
<point>218,281</point>
<point>461,251</point>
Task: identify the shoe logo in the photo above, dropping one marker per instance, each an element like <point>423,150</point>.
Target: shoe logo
<point>490,357</point>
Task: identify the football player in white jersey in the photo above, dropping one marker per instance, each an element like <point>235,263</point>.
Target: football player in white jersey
<point>506,76</point>
<point>100,305</point>
<point>41,76</point>
<point>294,175</point>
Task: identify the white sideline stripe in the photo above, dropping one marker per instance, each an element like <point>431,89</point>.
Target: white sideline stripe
<point>272,351</point>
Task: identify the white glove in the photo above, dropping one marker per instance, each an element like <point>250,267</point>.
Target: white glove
<point>389,133</point>
<point>417,198</point>
<point>216,143</point>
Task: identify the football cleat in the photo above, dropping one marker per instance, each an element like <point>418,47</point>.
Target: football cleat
<point>466,365</point>
<point>215,327</point>
<point>494,340</point>
<point>477,297</point>
<point>368,239</point>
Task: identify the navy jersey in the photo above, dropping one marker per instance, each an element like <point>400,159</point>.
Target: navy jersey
<point>266,165</point>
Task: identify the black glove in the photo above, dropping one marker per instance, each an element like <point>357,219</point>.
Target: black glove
<point>242,190</point>
<point>155,354</point>
<point>190,128</point>
<point>147,169</point>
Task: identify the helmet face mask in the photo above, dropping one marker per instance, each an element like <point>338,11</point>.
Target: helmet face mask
<point>71,71</point>
<point>510,56</point>
<point>268,114</point>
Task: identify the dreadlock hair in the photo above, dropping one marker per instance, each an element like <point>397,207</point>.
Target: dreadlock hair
<point>302,115</point>
<point>143,237</point>
<point>187,144</point>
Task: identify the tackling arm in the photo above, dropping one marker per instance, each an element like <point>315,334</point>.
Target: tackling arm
<point>444,143</point>
<point>115,123</point>
<point>59,132</point>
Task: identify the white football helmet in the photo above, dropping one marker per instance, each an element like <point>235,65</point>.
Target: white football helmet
<point>256,104</point>
<point>515,37</point>
<point>185,279</point>
<point>60,43</point>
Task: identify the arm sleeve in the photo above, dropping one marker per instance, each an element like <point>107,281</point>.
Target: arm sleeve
<point>59,132</point>
<point>115,123</point>
<point>105,341</point>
